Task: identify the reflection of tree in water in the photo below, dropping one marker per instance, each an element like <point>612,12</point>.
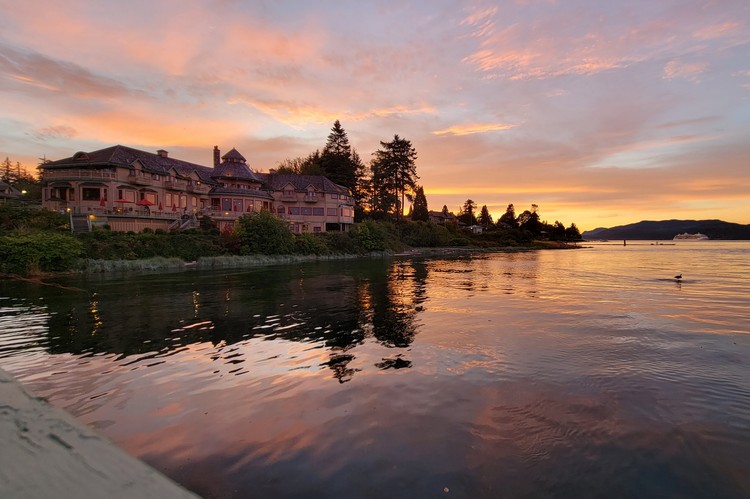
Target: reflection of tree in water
<point>338,305</point>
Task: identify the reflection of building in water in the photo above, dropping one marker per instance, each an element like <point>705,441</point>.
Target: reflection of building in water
<point>145,315</point>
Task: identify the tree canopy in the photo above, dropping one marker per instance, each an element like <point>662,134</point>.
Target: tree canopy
<point>419,207</point>
<point>394,171</point>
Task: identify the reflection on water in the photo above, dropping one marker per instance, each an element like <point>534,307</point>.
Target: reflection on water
<point>564,373</point>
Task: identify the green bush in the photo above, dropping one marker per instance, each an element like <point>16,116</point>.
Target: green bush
<point>17,217</point>
<point>370,236</point>
<point>264,233</point>
<point>310,244</point>
<point>424,234</point>
<point>40,252</point>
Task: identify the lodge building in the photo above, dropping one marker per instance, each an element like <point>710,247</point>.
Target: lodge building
<point>131,190</point>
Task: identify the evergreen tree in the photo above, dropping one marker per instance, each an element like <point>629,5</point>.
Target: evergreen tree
<point>394,171</point>
<point>337,161</point>
<point>467,212</point>
<point>529,220</point>
<point>572,233</point>
<point>420,211</point>
<point>485,219</point>
<point>445,210</point>
<point>509,217</point>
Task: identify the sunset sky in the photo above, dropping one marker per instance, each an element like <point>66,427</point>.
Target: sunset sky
<point>600,112</point>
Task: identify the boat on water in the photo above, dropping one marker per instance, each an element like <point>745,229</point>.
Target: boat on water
<point>690,237</point>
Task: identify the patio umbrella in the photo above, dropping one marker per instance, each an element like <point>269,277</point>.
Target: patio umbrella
<point>102,202</point>
<point>144,202</point>
<point>174,207</point>
<point>121,200</point>
<point>160,206</point>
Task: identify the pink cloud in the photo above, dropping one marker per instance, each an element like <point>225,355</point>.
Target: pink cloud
<point>677,69</point>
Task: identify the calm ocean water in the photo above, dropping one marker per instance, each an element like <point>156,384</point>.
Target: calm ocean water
<point>583,373</point>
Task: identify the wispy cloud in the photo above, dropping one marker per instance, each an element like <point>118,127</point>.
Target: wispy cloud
<point>677,69</point>
<point>472,128</point>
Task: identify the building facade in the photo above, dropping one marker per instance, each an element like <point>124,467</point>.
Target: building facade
<point>131,190</point>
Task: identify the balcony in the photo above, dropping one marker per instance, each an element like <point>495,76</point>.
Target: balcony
<point>310,199</point>
<point>78,174</point>
<point>197,188</point>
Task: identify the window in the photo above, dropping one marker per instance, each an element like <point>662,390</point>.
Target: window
<point>316,229</point>
<point>194,202</point>
<point>90,193</point>
<point>280,210</point>
<point>332,212</point>
<point>226,204</point>
<point>318,212</point>
<point>306,211</point>
<point>126,195</point>
<point>150,196</point>
<point>249,205</point>
<point>334,196</point>
<point>347,212</point>
<point>215,204</point>
<point>294,210</point>
<point>237,205</point>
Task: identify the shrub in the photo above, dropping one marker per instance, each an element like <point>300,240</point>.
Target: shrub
<point>310,244</point>
<point>264,233</point>
<point>370,236</point>
<point>41,252</point>
<point>14,217</point>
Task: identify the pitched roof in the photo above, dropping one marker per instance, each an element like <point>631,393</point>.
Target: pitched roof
<point>277,182</point>
<point>125,156</point>
<point>242,192</point>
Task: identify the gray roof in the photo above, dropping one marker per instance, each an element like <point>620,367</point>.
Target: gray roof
<point>234,166</point>
<point>125,156</point>
<point>241,192</point>
<point>277,182</point>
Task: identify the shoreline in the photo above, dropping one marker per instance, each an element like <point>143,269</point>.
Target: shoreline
<point>155,264</point>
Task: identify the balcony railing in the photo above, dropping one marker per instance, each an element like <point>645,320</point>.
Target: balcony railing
<point>57,174</point>
<point>310,199</point>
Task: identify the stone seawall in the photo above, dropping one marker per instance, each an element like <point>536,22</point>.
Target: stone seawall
<point>45,452</point>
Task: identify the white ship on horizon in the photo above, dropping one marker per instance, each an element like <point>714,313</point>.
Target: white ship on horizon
<point>690,237</point>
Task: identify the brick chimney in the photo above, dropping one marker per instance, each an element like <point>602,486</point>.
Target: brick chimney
<point>217,156</point>
<point>162,153</point>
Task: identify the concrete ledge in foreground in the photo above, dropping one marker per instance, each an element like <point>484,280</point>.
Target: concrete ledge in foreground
<point>45,452</point>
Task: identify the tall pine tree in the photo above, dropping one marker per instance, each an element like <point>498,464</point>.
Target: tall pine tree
<point>336,160</point>
<point>419,207</point>
<point>394,171</point>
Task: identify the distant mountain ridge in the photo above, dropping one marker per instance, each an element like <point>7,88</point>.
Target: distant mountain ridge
<point>667,229</point>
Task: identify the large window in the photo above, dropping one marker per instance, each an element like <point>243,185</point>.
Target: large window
<point>306,211</point>
<point>318,212</point>
<point>90,193</point>
<point>294,210</point>
<point>226,204</point>
<point>332,212</point>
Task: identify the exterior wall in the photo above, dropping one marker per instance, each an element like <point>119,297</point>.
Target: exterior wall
<point>111,194</point>
<point>303,210</point>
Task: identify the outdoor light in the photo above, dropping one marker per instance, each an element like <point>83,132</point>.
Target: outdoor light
<point>92,217</point>
<point>67,210</point>
<point>24,191</point>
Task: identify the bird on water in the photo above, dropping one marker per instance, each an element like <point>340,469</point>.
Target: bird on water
<point>678,276</point>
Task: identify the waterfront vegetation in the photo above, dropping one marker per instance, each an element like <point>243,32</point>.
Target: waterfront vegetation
<point>34,241</point>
